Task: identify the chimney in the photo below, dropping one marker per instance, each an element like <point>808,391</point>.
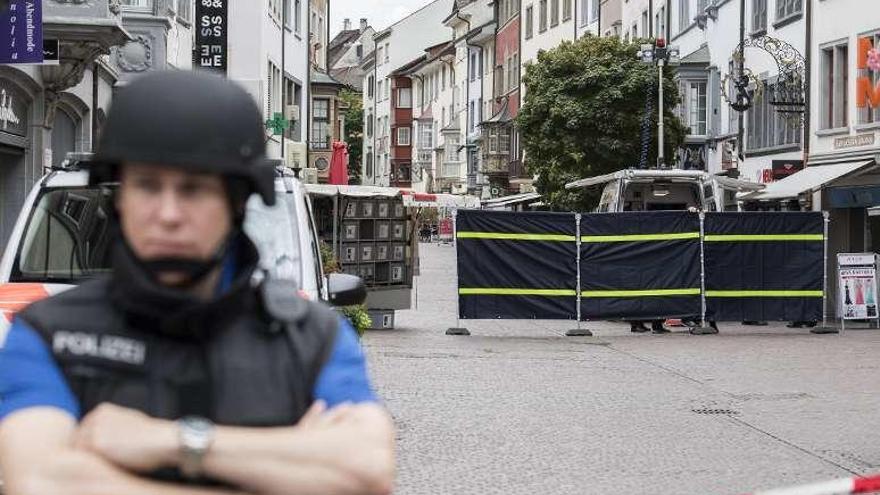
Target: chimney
<point>346,24</point>
<point>364,24</point>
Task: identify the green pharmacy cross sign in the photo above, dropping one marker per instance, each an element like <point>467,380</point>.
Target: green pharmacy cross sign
<point>277,124</point>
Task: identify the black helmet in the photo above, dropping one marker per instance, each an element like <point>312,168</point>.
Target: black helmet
<point>194,121</point>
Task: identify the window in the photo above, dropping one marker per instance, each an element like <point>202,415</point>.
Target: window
<point>594,12</point>
<point>369,125</point>
<point>443,117</point>
<point>504,140</point>
<point>293,96</point>
<point>833,87</point>
<point>436,79</point>
<point>387,89</point>
<point>585,12</point>
<point>530,22</point>
<point>452,145</point>
<point>403,136</point>
<point>297,16</point>
<point>684,14</point>
<point>285,13</point>
<point>766,127</point>
<point>646,29</point>
<point>370,87</point>
<point>473,66</point>
<point>695,106</point>
<point>759,16</point>
<point>786,8</point>
<point>320,124</point>
<point>379,56</point>
<point>867,115</point>
<point>542,16</point>
<point>379,91</point>
<point>701,6</point>
<point>480,66</point>
<point>141,5</point>
<point>660,23</point>
<point>387,52</point>
<point>426,137</point>
<point>635,32</point>
<point>471,116</point>
<point>404,98</point>
<point>510,75</point>
<point>554,13</point>
<point>493,140</point>
<point>566,10</point>
<point>369,163</point>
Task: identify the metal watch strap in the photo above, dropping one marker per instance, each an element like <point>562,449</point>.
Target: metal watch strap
<point>196,435</point>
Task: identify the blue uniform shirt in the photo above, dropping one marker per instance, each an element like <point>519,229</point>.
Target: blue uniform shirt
<point>30,377</point>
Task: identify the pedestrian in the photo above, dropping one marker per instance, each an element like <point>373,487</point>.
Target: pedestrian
<point>181,372</point>
<point>657,326</point>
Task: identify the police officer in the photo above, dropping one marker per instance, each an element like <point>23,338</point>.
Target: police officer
<point>179,373</point>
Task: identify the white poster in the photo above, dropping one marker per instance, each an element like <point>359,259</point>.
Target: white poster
<point>858,292</point>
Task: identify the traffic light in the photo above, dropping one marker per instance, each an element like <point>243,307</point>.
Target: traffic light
<point>660,49</point>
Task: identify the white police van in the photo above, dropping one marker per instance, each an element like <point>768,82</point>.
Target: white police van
<point>63,237</point>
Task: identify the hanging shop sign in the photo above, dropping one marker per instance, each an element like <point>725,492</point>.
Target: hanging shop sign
<point>211,35</point>
<point>13,111</point>
<point>868,64</point>
<point>21,33</point>
<point>784,168</point>
<point>857,282</point>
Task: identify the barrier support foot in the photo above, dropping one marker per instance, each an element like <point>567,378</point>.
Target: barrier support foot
<point>707,330</point>
<point>822,330</point>
<point>578,332</point>
<point>457,331</point>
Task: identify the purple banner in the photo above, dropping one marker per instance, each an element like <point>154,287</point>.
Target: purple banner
<point>21,32</point>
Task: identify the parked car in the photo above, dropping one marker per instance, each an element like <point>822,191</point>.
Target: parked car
<point>63,237</point>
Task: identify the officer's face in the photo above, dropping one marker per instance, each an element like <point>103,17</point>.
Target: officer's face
<point>166,213</point>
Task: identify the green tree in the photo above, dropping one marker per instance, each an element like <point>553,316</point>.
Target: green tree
<point>583,112</point>
<point>354,133</point>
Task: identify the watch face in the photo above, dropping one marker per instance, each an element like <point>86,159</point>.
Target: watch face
<point>196,432</point>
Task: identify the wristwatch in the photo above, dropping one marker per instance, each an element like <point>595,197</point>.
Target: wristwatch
<point>196,435</point>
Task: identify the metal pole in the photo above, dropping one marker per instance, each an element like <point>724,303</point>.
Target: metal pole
<point>335,246</point>
<point>702,269</point>
<point>825,328</point>
<point>578,332</point>
<point>660,158</point>
<point>740,134</point>
<point>457,329</point>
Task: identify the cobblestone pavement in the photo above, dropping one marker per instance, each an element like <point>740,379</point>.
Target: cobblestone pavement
<point>517,408</point>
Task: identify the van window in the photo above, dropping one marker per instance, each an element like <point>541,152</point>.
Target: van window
<point>609,197</point>
<point>66,237</point>
<point>709,198</point>
<point>274,231</point>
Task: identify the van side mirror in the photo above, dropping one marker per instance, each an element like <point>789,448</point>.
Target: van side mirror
<point>345,290</point>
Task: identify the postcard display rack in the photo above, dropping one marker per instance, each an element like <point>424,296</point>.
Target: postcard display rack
<point>375,241</point>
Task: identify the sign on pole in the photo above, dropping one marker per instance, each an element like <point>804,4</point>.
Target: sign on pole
<point>211,35</point>
<point>857,279</point>
<point>21,33</point>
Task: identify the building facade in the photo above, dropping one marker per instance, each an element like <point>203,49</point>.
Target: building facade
<point>347,51</point>
<point>396,46</point>
<point>268,56</point>
<point>47,111</point>
<point>707,35</point>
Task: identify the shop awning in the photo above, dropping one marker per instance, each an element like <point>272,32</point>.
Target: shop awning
<point>425,200</point>
<point>353,191</point>
<point>808,180</point>
<point>511,200</point>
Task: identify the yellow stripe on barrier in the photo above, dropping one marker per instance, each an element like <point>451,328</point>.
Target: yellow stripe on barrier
<point>764,293</point>
<point>496,291</point>
<point>763,237</point>
<point>640,293</point>
<point>516,237</point>
<point>640,237</point>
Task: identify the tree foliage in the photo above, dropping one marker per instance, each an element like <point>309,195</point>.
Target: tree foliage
<point>354,131</point>
<point>583,112</point>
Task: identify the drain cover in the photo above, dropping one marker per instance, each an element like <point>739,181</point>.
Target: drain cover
<point>723,412</point>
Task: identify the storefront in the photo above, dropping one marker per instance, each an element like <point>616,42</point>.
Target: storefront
<point>17,169</point>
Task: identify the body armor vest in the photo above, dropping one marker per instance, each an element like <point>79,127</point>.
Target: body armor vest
<point>250,357</point>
